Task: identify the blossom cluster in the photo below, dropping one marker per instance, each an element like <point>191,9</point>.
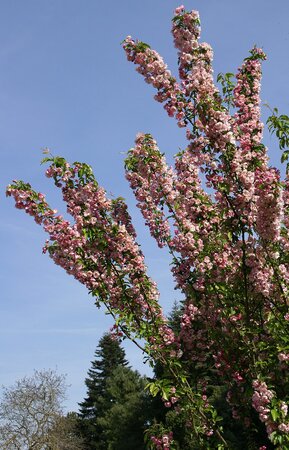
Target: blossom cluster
<point>260,400</point>
<point>152,67</point>
<point>162,442</point>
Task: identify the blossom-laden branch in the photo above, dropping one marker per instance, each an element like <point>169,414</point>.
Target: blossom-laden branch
<point>99,249</point>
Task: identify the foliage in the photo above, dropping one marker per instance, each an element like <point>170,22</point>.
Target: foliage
<point>108,356</point>
<point>225,79</point>
<point>279,124</point>
<point>229,249</point>
<point>64,434</point>
<point>126,419</point>
<point>117,410</point>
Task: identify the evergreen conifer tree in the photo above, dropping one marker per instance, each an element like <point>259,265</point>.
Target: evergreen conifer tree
<point>108,356</point>
<point>128,416</point>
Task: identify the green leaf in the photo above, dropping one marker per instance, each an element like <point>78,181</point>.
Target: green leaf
<point>274,414</point>
<point>285,156</point>
<point>46,159</point>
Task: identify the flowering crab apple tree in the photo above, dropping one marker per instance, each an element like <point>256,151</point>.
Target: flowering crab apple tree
<point>229,248</point>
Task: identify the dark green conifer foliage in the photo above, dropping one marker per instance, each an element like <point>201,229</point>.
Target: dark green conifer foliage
<point>127,418</point>
<point>108,356</point>
<point>174,317</point>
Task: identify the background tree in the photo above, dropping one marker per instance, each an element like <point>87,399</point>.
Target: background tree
<point>64,435</point>
<point>29,409</point>
<point>108,356</point>
<point>117,409</point>
<point>129,410</point>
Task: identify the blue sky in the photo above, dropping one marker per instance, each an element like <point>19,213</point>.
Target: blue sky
<point>65,84</point>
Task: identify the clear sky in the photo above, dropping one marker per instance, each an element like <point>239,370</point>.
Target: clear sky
<point>65,84</point>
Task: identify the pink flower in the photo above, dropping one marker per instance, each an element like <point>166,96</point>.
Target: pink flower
<point>179,10</point>
<point>283,356</point>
